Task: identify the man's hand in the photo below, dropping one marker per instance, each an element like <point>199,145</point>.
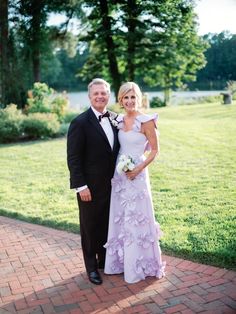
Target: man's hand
<point>85,195</point>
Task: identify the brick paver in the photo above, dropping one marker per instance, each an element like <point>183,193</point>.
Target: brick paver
<point>42,271</point>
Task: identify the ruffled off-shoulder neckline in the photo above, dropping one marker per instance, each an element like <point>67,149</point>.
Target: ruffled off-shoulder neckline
<point>142,118</point>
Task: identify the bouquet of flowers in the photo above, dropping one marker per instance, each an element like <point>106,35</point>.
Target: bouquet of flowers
<point>125,163</point>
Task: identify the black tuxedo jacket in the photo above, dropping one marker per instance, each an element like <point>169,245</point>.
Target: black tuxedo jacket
<point>91,160</point>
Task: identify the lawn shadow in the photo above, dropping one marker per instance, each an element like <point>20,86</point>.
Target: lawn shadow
<point>51,223</point>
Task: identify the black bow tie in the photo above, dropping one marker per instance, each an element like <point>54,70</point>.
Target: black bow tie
<point>106,114</point>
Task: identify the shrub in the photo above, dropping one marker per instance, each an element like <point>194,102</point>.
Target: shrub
<point>69,116</point>
<point>63,129</point>
<point>10,124</point>
<point>44,100</point>
<point>210,99</point>
<point>201,100</point>
<point>157,102</point>
<point>40,125</point>
<point>59,105</point>
<point>231,86</point>
<point>39,100</point>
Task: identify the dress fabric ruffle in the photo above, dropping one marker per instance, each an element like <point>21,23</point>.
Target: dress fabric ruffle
<point>133,246</point>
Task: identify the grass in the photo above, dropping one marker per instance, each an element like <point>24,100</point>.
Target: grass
<point>193,183</point>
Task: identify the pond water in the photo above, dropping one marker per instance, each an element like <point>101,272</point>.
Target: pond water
<point>79,100</point>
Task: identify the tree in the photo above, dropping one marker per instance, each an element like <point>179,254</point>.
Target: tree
<point>178,54</point>
<point>110,45</point>
<point>131,11</point>
<point>33,17</point>
<point>37,35</point>
<point>221,61</point>
<point>62,72</point>
<point>3,50</point>
<point>11,72</point>
<point>102,48</point>
<point>153,40</point>
<point>28,43</point>
<point>113,36</point>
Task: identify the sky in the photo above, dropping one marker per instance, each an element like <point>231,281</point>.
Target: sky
<point>214,16</point>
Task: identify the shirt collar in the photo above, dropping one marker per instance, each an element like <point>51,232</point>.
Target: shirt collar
<point>97,113</point>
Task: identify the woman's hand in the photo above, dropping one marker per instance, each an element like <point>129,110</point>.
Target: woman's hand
<point>132,174</point>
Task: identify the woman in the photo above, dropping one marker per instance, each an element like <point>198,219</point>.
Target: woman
<point>133,236</point>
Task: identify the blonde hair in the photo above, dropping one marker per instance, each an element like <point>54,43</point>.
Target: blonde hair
<point>127,87</point>
<point>98,81</point>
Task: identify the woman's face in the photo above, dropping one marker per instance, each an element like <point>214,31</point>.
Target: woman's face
<point>130,101</point>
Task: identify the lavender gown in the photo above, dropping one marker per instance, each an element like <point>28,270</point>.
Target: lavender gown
<point>133,236</point>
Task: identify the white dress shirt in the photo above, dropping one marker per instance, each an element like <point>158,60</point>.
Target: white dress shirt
<point>105,124</point>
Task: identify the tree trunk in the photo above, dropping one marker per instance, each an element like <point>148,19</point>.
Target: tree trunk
<point>36,66</point>
<point>3,51</point>
<point>131,25</point>
<point>113,65</point>
<point>167,92</point>
<point>36,40</point>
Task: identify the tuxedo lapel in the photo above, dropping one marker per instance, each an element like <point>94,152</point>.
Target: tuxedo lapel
<point>114,129</point>
<point>94,121</point>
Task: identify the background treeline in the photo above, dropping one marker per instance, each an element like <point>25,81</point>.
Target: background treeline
<point>152,42</point>
<point>221,62</point>
<point>220,66</point>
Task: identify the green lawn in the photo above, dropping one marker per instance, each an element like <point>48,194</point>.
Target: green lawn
<point>193,183</point>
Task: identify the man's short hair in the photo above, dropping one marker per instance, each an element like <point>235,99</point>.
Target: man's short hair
<point>98,81</point>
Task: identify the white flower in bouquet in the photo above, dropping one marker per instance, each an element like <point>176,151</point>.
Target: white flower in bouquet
<point>125,163</point>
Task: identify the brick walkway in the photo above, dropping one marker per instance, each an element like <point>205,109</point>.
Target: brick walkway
<point>42,271</point>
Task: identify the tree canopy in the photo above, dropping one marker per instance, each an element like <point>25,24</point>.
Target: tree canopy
<point>154,43</point>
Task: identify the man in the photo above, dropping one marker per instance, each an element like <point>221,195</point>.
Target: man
<point>92,148</point>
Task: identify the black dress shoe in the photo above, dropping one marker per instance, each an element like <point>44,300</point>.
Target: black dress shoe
<point>95,277</point>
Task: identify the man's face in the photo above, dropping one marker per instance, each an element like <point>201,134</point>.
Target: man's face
<point>99,97</point>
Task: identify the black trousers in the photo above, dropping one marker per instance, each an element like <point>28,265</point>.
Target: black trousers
<point>94,219</point>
